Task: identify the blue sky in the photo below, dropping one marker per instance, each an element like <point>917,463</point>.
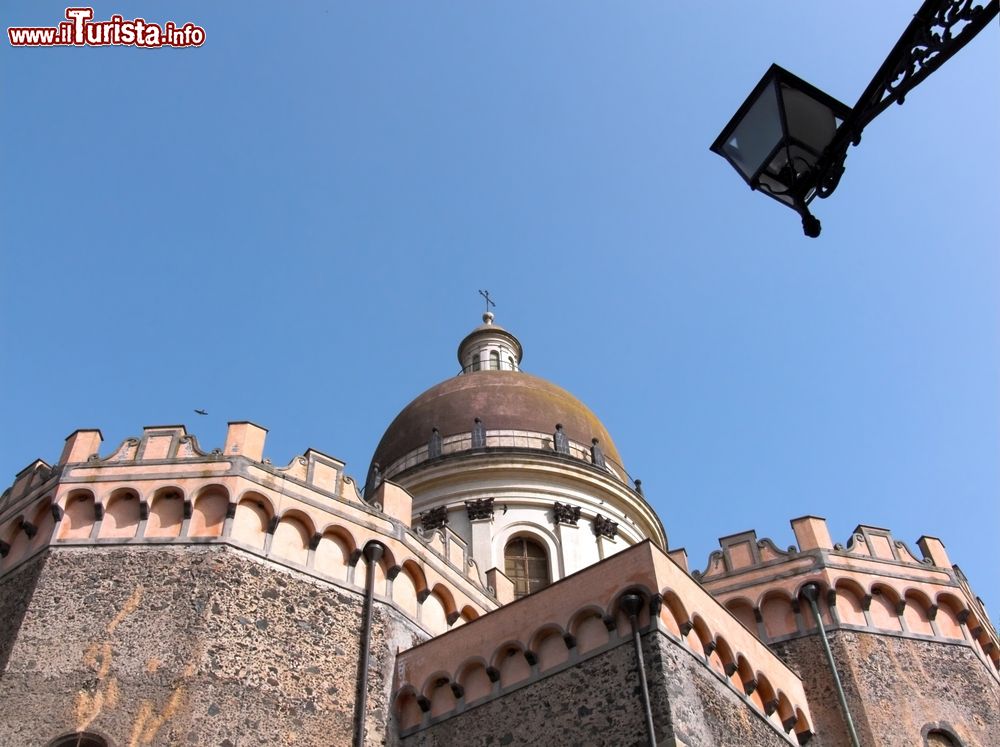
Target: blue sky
<point>290,223</point>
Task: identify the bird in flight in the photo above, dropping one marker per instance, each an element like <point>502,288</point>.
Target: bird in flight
<point>201,412</point>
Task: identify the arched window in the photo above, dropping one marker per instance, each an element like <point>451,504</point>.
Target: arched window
<point>510,360</point>
<point>494,360</point>
<point>475,361</point>
<point>527,565</point>
<point>940,738</point>
<point>79,739</point>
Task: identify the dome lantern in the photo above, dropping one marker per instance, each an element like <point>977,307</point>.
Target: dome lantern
<point>489,347</point>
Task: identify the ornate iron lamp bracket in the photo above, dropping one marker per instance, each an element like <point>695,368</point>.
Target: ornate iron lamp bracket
<point>938,30</point>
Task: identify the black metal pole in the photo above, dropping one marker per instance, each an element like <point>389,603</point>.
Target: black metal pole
<point>631,605</point>
<point>373,554</point>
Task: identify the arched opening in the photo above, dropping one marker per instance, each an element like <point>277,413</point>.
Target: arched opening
<point>475,681</point>
<point>549,646</point>
<point>44,523</point>
<point>121,518</point>
<point>334,552</point>
<point>494,360</point>
<point>884,609</point>
<point>940,738</point>
<point>251,521</point>
<point>433,615</point>
<point>526,564</point>
<point>291,538</point>
<point>850,605</point>
<point>79,517</point>
<point>475,361</point>
<point>166,514</point>
<point>408,709</point>
<point>589,630</point>
<point>209,515</point>
<point>79,739</point>
<point>778,614</point>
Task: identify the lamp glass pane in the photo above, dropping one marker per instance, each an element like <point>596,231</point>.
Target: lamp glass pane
<point>755,136</point>
<point>808,120</point>
<point>779,181</point>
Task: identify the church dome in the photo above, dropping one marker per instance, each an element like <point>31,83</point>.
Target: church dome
<point>516,410</point>
<point>502,400</point>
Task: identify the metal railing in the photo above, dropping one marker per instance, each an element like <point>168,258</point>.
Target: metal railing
<point>510,439</point>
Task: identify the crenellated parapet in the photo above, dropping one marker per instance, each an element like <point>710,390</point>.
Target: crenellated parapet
<point>579,618</point>
<point>162,488</point>
<point>873,583</point>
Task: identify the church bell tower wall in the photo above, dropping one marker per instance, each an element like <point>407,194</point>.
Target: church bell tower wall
<point>573,642</point>
<point>164,594</point>
<point>896,622</point>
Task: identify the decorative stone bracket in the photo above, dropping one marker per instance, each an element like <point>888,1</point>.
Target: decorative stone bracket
<point>565,513</point>
<point>434,518</point>
<point>479,509</point>
<point>605,527</point>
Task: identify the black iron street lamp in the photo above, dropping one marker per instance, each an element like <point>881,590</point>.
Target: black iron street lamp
<point>789,139</point>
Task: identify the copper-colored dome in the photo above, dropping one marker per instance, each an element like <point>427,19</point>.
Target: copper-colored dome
<point>502,400</point>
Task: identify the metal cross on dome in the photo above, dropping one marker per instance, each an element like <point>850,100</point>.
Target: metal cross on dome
<point>489,302</point>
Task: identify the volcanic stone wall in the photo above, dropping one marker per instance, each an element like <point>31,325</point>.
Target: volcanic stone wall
<point>598,702</point>
<point>896,689</point>
<point>178,645</point>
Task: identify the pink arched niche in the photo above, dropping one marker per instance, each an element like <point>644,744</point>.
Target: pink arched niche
<point>166,513</point>
<point>448,599</point>
<point>438,691</point>
<point>588,629</point>
<point>334,551</point>
<point>917,612</point>
<point>977,632</point>
<point>408,711</point>
<point>291,537</point>
<point>675,615</point>
<point>44,523</point>
<point>803,729</point>
<point>16,541</point>
<point>510,662</point>
<point>79,515</point>
<point>949,608</point>
<point>709,648</point>
<point>786,712</point>
<point>475,680</point>
<point>768,696</point>
<point>405,589</point>
<point>208,514</point>
<point>778,614</point>
<point>850,606</point>
<point>434,614</point>
<point>884,608</point>
<point>253,515</point>
<point>121,515</point>
<point>728,659</point>
<point>549,645</point>
<point>748,681</point>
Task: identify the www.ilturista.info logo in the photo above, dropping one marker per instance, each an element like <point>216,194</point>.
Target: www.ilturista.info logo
<point>80,30</point>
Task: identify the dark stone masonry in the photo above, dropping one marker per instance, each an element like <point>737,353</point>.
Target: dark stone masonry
<point>944,683</point>
<point>598,702</point>
<point>185,646</point>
